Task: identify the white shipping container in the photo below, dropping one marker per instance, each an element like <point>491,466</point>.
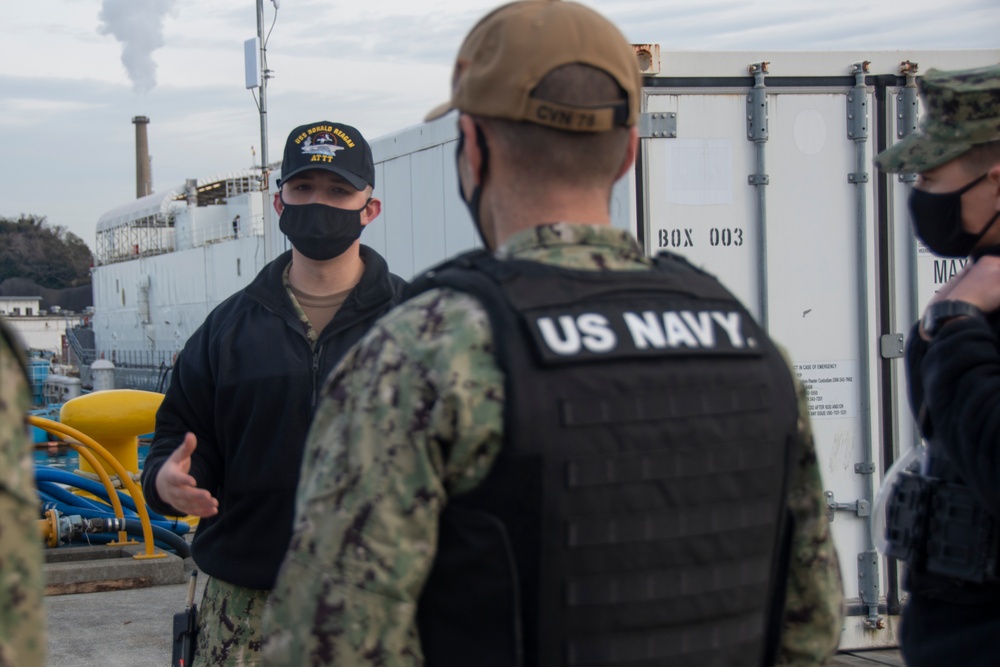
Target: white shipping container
<point>758,168</point>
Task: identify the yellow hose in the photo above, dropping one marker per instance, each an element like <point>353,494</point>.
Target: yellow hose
<point>85,442</point>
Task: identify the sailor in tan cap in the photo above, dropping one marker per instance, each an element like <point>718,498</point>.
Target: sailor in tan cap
<point>558,451</point>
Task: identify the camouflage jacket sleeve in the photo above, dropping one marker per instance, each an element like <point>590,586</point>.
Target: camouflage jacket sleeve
<point>22,632</point>
<point>411,416</point>
<point>814,606</point>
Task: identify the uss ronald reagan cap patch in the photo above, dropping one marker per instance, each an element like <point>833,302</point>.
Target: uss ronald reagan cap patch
<point>332,147</point>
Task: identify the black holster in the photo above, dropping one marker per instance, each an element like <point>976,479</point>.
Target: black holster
<point>185,633</point>
<point>941,528</point>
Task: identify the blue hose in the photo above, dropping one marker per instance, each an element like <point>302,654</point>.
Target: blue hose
<point>49,474</point>
<point>88,513</point>
<point>176,542</point>
<point>162,535</point>
<point>64,496</point>
<point>48,480</point>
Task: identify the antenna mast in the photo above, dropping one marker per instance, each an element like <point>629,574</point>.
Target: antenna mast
<point>257,74</point>
<point>264,72</point>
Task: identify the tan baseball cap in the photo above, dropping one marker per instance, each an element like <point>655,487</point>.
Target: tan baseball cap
<point>510,51</point>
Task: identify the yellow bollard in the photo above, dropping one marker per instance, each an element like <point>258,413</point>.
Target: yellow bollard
<point>115,418</point>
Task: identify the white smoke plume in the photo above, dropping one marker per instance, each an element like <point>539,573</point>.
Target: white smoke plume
<point>138,25</point>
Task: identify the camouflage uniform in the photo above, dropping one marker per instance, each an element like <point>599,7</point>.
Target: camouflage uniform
<point>413,415</point>
<point>22,623</point>
<point>311,332</point>
<point>229,625</point>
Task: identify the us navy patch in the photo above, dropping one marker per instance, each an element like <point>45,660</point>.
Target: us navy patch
<point>618,332</point>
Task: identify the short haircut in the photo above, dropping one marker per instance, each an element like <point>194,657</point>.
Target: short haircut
<point>545,155</point>
<point>981,157</point>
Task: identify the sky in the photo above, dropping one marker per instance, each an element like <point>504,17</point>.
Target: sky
<point>75,73</point>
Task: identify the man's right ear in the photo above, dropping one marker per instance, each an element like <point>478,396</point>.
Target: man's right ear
<point>279,205</point>
<point>628,161</point>
<point>470,147</point>
<point>993,178</point>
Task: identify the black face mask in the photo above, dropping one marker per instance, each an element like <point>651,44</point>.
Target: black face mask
<point>937,219</point>
<point>318,231</point>
<point>477,191</point>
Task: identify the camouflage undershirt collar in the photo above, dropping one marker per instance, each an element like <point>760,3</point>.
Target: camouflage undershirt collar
<point>527,244</point>
<point>310,332</point>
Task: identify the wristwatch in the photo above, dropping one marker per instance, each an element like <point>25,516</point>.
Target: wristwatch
<point>938,314</point>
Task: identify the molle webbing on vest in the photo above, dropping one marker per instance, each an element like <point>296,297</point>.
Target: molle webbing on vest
<point>639,495</point>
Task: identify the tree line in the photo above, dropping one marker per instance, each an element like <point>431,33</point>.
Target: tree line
<point>47,254</point>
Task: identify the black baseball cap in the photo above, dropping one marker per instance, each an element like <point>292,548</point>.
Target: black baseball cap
<point>331,146</point>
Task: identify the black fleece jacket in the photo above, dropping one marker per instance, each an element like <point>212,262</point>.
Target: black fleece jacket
<point>955,393</point>
<point>956,378</point>
<point>246,384</point>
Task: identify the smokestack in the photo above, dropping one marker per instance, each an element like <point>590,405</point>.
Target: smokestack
<point>143,172</point>
<point>191,191</point>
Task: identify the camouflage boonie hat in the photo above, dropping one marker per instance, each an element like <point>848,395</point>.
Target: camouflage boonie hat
<point>961,109</point>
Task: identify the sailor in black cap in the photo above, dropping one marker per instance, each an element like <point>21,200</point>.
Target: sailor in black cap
<point>230,432</point>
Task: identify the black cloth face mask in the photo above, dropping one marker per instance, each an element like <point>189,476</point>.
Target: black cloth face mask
<point>937,220</point>
<point>318,231</point>
<point>477,191</point>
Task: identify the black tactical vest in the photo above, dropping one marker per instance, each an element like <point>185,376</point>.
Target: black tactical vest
<point>957,554</point>
<point>636,513</point>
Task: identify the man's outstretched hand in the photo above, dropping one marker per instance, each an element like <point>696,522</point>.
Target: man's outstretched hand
<point>177,487</point>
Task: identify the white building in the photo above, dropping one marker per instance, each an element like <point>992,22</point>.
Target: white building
<point>45,333</point>
<point>20,305</point>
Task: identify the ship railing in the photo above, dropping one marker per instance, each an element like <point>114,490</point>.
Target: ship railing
<point>219,231</point>
<point>83,355</point>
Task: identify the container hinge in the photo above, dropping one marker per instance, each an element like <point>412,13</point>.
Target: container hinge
<point>859,507</point>
<point>864,468</point>
<point>868,587</point>
<point>757,120</point>
<point>857,105</point>
<point>857,115</point>
<point>891,346</point>
<point>757,104</point>
<point>907,109</point>
<point>658,125</point>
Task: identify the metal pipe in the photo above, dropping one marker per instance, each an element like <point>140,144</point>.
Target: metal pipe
<point>59,528</point>
<point>757,132</point>
<point>264,176</point>
<point>906,122</point>
<point>86,442</point>
<point>857,124</point>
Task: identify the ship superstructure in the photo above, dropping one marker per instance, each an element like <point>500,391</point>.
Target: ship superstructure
<point>163,262</point>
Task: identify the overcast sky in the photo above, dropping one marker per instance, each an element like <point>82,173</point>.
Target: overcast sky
<point>75,72</point>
